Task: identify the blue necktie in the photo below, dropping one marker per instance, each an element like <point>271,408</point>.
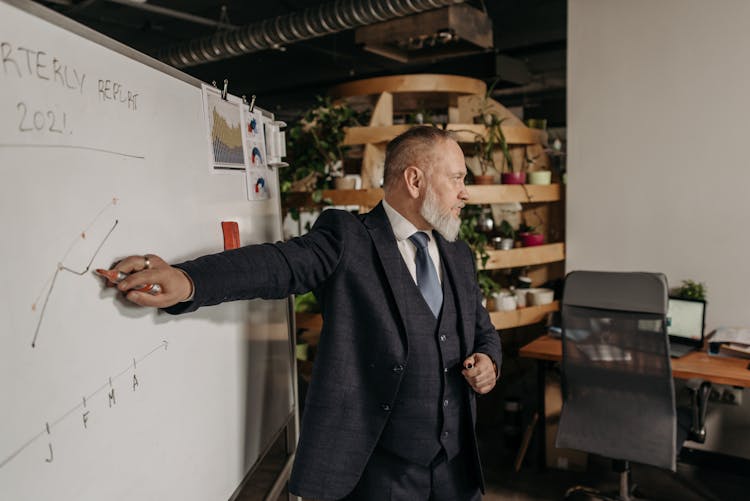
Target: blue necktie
<point>427,278</point>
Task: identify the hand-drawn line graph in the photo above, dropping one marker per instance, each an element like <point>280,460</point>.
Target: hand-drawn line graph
<point>49,286</point>
<point>82,406</point>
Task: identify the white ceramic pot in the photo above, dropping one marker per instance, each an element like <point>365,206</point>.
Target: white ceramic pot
<point>504,301</point>
<point>521,298</point>
<point>539,297</point>
<point>539,177</point>
<point>348,182</point>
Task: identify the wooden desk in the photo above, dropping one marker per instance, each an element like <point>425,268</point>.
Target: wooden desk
<point>698,364</point>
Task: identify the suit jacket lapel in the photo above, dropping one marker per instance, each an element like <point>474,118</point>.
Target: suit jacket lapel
<point>384,240</point>
<point>462,278</point>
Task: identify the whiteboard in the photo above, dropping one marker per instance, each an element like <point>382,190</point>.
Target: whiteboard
<point>139,404</point>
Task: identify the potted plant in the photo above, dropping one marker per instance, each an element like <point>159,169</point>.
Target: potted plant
<point>529,236</point>
<point>315,146</point>
<point>489,289</point>
<point>539,176</point>
<point>691,289</point>
<point>477,241</point>
<point>508,235</point>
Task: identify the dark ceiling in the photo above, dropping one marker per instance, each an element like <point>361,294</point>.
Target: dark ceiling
<point>286,80</point>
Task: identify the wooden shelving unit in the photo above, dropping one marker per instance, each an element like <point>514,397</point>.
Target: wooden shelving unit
<point>463,132</point>
<point>523,193</point>
<point>525,256</point>
<point>486,194</point>
<point>500,319</point>
<point>522,316</point>
<point>364,198</point>
<point>459,100</point>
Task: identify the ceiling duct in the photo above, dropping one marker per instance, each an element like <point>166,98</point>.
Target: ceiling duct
<point>455,30</point>
<point>314,22</point>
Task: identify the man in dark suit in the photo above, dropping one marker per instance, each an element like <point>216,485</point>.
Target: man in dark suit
<point>406,343</point>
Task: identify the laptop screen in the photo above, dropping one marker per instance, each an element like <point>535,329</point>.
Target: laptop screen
<point>685,319</point>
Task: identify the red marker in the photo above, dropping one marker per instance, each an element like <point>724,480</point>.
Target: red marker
<point>116,277</point>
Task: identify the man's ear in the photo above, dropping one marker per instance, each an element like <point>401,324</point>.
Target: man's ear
<point>414,180</point>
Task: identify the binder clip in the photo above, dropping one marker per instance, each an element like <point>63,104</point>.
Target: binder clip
<point>275,144</point>
<point>224,90</point>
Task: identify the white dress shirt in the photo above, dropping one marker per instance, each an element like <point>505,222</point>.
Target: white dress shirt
<point>403,229</point>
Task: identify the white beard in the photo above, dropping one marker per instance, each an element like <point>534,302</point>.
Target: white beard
<point>445,223</point>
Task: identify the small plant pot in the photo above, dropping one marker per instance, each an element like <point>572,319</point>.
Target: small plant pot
<point>521,298</point>
<point>504,301</point>
<point>540,177</point>
<point>345,183</point>
<point>484,179</point>
<point>539,297</point>
<point>506,244</point>
<point>513,177</point>
<point>531,239</point>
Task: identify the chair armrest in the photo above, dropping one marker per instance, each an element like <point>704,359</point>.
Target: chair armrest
<point>699,393</point>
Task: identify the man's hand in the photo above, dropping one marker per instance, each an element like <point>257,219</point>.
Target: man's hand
<point>480,372</point>
<point>151,269</point>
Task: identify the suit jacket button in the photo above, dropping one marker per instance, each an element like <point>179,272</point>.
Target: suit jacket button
<point>442,337</point>
<point>398,368</point>
<point>385,407</point>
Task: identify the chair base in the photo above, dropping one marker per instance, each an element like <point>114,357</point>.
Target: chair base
<point>626,492</point>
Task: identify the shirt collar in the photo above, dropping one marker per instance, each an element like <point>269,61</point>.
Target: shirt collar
<point>402,227</point>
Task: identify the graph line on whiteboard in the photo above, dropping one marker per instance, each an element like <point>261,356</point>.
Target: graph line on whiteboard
<point>71,147</point>
<point>83,405</point>
<point>50,284</point>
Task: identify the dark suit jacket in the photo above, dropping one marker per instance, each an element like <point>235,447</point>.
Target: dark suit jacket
<point>345,259</point>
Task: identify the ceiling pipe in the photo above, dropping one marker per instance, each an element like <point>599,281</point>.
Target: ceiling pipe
<point>164,11</point>
<point>275,33</point>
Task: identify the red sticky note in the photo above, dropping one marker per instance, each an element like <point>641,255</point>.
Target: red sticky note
<point>231,235</point>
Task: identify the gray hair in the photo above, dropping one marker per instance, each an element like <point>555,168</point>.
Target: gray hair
<point>413,147</point>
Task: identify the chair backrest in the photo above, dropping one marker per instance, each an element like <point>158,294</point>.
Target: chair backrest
<point>617,377</point>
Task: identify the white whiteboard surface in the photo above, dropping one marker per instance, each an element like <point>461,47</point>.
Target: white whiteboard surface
<point>213,387</point>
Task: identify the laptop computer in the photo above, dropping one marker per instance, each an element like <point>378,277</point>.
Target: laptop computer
<point>686,321</point>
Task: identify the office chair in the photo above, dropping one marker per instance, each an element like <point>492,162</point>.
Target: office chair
<point>618,391</point>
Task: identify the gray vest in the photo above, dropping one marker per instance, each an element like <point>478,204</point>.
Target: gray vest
<point>430,411</point>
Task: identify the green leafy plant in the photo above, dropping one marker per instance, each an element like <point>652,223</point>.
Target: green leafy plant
<point>486,283</point>
<point>315,149</point>
<point>485,144</point>
<point>470,233</point>
<point>691,289</point>
<point>506,230</point>
<point>306,303</point>
<point>477,241</point>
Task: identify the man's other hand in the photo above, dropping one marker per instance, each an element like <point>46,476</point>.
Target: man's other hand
<point>480,372</point>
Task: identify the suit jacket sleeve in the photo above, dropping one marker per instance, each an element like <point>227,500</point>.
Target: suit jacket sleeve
<point>486,339</point>
<point>268,271</point>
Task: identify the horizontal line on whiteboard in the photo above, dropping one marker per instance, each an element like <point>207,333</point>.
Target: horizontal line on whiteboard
<point>70,146</point>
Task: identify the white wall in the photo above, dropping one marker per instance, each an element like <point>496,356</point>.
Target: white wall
<point>658,175</point>
<point>658,106</point>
